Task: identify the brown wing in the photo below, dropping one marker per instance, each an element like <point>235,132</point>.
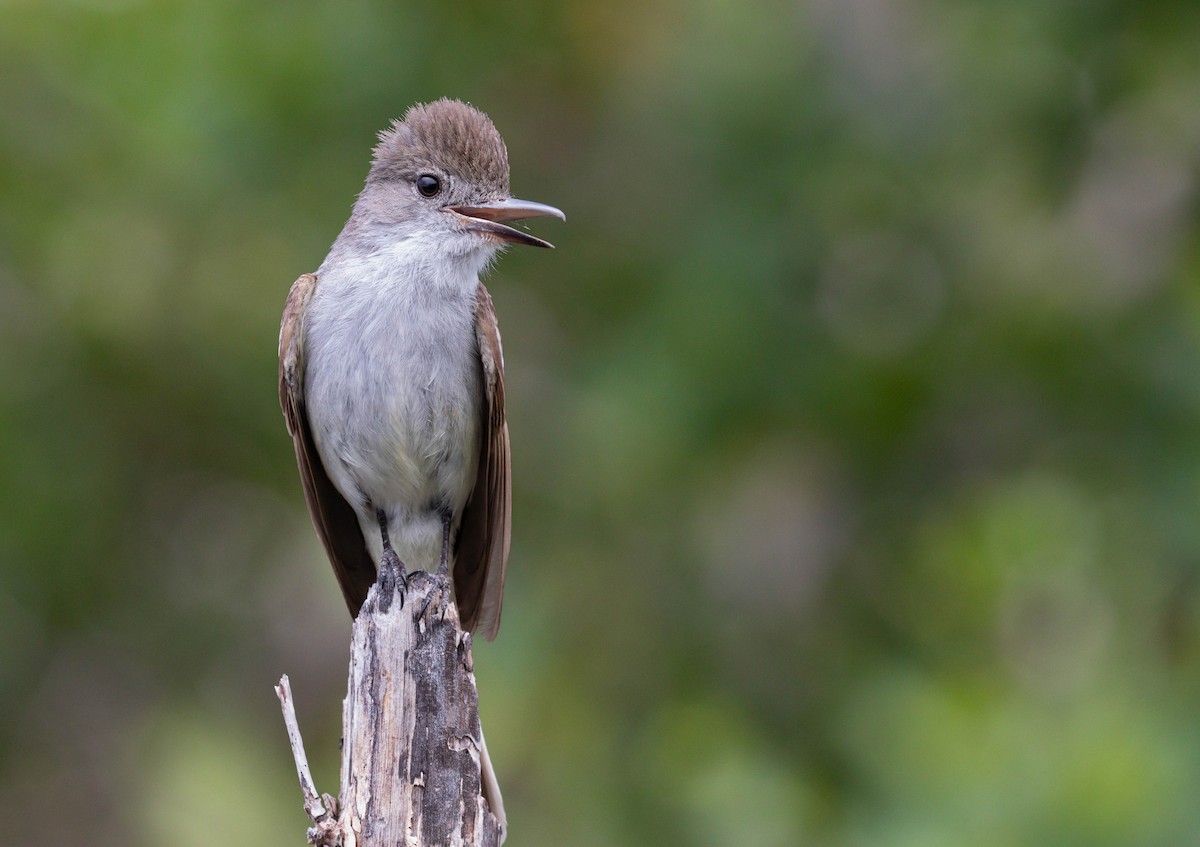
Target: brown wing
<point>335,521</point>
<point>482,550</point>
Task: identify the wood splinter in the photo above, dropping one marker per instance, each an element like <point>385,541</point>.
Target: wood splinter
<point>415,768</point>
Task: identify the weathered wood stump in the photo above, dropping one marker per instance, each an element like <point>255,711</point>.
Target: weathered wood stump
<point>415,769</point>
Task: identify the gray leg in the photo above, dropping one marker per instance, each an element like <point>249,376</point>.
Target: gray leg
<point>392,577</point>
<point>444,562</point>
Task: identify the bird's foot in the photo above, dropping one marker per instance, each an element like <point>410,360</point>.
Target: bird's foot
<point>393,581</point>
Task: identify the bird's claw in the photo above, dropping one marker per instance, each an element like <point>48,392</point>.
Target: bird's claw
<point>393,582</point>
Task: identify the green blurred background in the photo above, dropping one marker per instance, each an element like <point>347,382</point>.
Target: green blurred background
<point>856,419</point>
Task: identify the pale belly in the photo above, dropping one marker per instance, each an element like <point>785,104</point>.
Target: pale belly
<point>407,447</point>
<point>393,399</point>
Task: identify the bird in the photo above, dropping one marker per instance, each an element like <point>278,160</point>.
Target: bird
<point>391,372</point>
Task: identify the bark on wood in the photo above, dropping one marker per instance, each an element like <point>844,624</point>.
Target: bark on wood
<point>415,769</point>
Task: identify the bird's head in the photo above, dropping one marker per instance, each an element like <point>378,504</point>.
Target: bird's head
<point>441,172</point>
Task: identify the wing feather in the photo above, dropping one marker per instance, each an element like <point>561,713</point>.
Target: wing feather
<point>334,519</point>
<point>481,554</point>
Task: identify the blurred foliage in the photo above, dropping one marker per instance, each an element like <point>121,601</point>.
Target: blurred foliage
<point>856,419</point>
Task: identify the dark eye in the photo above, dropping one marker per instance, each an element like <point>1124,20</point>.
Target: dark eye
<point>428,185</point>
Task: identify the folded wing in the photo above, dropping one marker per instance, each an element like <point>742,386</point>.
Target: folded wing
<point>481,554</point>
<point>335,521</point>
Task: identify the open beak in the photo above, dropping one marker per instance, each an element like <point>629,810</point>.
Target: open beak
<point>489,219</point>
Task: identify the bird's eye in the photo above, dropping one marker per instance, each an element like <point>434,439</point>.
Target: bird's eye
<point>428,185</point>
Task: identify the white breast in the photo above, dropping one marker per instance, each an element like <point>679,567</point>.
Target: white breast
<point>393,389</point>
